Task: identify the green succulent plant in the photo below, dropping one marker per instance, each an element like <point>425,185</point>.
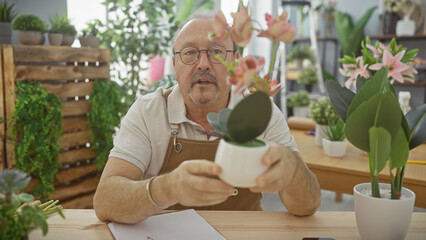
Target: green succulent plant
<point>308,77</point>
<point>57,23</point>
<point>299,99</point>
<point>7,13</point>
<point>335,131</point>
<point>245,122</point>
<point>29,22</point>
<point>300,53</point>
<point>322,111</point>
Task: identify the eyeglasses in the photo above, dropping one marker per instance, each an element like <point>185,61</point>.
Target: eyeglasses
<point>191,55</point>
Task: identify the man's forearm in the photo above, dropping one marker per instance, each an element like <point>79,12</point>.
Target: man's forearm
<point>302,196</point>
<point>123,200</point>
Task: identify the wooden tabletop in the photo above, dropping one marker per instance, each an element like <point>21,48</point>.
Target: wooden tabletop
<point>342,174</point>
<point>83,224</point>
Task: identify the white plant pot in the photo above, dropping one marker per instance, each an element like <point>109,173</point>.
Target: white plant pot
<point>334,148</point>
<point>320,131</point>
<point>241,166</point>
<point>302,111</point>
<point>382,219</point>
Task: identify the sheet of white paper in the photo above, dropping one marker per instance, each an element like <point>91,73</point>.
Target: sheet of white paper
<point>186,225</point>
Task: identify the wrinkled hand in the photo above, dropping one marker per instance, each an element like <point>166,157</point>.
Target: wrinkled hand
<point>191,184</point>
<point>283,163</point>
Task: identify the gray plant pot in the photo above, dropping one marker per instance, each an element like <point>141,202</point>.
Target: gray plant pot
<point>67,40</point>
<point>55,39</point>
<point>5,32</point>
<point>89,42</point>
<point>31,37</point>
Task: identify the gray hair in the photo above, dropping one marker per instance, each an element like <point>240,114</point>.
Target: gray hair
<point>196,15</point>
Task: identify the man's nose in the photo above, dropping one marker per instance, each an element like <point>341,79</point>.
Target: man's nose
<point>204,62</point>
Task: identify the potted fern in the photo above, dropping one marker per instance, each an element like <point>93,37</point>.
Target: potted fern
<point>300,104</point>
<point>55,35</point>
<point>68,30</point>
<point>89,36</point>
<point>30,29</point>
<point>334,144</point>
<point>7,14</point>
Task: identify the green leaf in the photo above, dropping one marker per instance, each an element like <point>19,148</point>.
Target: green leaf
<point>382,110</point>
<point>377,84</point>
<point>360,81</point>
<point>380,148</point>
<point>250,117</point>
<point>340,97</point>
<point>399,150</point>
<point>223,119</point>
<point>416,119</point>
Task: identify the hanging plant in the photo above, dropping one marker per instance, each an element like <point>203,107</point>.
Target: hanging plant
<point>105,116</point>
<point>37,123</point>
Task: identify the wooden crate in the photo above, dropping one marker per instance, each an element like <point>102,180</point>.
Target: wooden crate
<point>69,73</point>
<point>2,112</point>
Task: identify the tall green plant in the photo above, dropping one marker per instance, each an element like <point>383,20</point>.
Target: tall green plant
<point>350,35</point>
<point>103,118</point>
<point>7,12</point>
<point>37,123</point>
<point>135,32</point>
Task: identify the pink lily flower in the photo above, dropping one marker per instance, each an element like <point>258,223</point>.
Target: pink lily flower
<point>278,29</point>
<point>396,67</point>
<point>221,30</point>
<point>408,74</point>
<point>245,71</point>
<point>377,52</point>
<point>242,28</point>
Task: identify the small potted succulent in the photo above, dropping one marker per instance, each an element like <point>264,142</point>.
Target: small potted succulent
<point>300,104</point>
<point>55,33</point>
<point>308,77</point>
<point>334,144</point>
<point>322,112</point>
<point>30,29</point>
<point>299,54</point>
<point>19,213</point>
<point>7,14</point>
<point>89,36</point>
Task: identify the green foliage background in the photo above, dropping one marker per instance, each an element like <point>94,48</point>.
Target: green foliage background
<point>29,22</point>
<point>37,124</point>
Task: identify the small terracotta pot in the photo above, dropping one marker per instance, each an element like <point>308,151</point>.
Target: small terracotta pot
<point>55,39</point>
<point>89,41</point>
<point>67,40</point>
<point>31,37</point>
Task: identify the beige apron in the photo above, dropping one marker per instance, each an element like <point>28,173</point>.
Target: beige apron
<point>181,149</point>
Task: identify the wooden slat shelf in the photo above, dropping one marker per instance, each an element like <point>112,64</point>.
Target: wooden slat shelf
<point>68,73</point>
<point>390,36</point>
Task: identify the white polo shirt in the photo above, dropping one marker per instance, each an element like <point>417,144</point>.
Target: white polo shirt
<point>145,130</point>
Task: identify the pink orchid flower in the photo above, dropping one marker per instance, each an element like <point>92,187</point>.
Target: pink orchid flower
<point>221,30</point>
<point>396,67</point>
<point>245,71</point>
<point>242,28</point>
<point>278,29</point>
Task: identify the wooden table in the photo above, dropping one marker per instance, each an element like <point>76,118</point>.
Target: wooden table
<point>83,224</point>
<point>342,174</point>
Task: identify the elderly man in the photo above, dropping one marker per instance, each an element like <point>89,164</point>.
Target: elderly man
<point>148,171</point>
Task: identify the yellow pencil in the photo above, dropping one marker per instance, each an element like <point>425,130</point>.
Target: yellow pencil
<point>416,162</point>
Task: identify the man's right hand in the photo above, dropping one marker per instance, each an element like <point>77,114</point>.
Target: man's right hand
<point>191,184</point>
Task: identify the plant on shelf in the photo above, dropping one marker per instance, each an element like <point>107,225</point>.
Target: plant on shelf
<point>299,53</point>
<point>68,30</point>
<point>308,77</point>
<point>104,117</point>
<point>19,213</point>
<point>37,122</point>
<point>30,28</point>
<point>333,143</point>
<point>240,126</point>
<point>322,112</point>
<point>300,104</point>
<point>7,12</point>
<point>55,32</point>
<point>89,35</point>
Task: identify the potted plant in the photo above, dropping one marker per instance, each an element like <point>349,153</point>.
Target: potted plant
<point>30,28</point>
<point>7,14</point>
<point>89,36</point>
<point>376,125</point>
<point>68,30</point>
<point>334,144</point>
<point>19,213</point>
<point>300,53</point>
<point>300,104</point>
<point>322,112</point>
<point>55,33</point>
<point>239,152</point>
<point>308,77</point>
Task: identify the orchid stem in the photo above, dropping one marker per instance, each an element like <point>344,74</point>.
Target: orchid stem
<point>272,63</point>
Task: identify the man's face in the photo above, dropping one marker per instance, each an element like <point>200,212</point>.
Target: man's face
<point>202,82</point>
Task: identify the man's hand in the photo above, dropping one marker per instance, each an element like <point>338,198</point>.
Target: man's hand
<point>283,163</point>
<point>191,184</point>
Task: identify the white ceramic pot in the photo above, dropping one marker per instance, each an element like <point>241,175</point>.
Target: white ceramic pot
<point>301,111</point>
<point>320,133</point>
<point>240,165</point>
<point>382,219</point>
<point>334,148</point>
